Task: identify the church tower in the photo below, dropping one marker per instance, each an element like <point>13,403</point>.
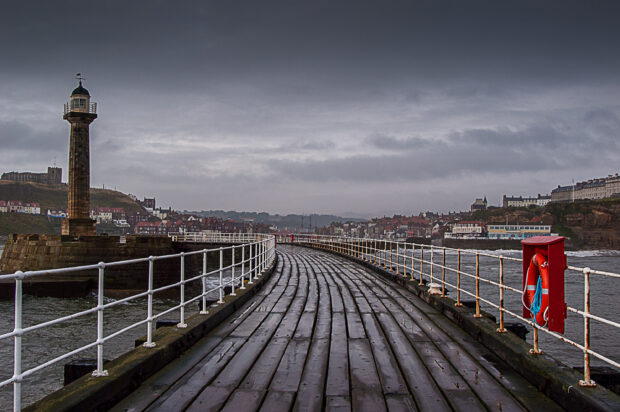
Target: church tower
<point>80,112</point>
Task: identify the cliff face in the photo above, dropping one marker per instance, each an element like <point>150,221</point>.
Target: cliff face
<point>588,224</point>
<point>591,225</point>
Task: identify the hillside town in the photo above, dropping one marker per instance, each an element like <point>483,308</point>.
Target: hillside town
<point>151,220</point>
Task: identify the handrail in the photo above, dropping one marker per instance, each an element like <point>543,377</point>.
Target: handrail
<point>400,257</point>
<point>261,253</point>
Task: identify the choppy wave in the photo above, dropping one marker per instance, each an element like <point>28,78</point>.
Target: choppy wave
<point>569,253</point>
<point>593,253</point>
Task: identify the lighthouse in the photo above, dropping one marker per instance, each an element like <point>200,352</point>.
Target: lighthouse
<point>80,112</point>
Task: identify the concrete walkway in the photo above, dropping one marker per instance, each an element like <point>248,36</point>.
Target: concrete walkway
<point>326,333</point>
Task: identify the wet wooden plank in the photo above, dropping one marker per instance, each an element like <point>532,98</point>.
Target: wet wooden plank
<point>156,385</point>
<point>458,392</point>
<point>338,366</point>
<point>211,399</point>
<point>243,360</point>
<point>338,404</point>
<point>366,391</point>
<point>322,328</point>
<point>347,298</point>
<point>355,327</point>
<point>246,327</point>
<point>313,297</point>
<point>305,326</point>
<point>262,371</point>
<point>243,400</point>
<point>284,302</point>
<point>269,326</point>
<point>290,369</point>
<point>490,391</point>
<point>391,378</point>
<point>311,388</point>
<point>184,390</point>
<point>429,330</point>
<point>337,305</point>
<point>400,403</point>
<point>420,382</point>
<point>277,401</point>
<point>289,324</point>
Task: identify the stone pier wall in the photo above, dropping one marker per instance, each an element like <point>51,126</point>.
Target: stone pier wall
<point>40,252</point>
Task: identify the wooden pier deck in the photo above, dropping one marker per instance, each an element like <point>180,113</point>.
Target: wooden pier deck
<point>327,334</point>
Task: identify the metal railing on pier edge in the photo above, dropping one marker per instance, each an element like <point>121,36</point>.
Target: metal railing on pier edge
<point>261,252</point>
<point>407,259</point>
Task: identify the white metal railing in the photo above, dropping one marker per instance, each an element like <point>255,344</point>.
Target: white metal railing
<point>400,257</point>
<point>260,250</point>
<point>92,108</point>
<point>210,237</point>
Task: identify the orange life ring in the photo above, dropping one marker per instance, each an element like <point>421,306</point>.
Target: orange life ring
<point>538,267</point>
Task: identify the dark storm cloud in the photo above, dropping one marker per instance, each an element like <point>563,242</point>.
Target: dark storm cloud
<point>16,135</point>
<point>536,148</point>
<point>391,143</point>
<point>282,100</point>
<point>343,43</point>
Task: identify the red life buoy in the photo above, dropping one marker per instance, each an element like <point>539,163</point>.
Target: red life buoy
<point>538,267</point>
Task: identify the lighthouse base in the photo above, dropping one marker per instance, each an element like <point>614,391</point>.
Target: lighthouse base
<point>79,227</point>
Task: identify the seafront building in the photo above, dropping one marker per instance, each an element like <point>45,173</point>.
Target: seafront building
<point>513,201</point>
<point>466,229</point>
<point>600,188</point>
<point>517,231</point>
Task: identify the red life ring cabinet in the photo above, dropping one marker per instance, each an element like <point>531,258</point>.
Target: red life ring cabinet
<point>538,268</point>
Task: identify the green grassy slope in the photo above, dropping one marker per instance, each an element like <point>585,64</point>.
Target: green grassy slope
<point>55,197</point>
<point>23,223</point>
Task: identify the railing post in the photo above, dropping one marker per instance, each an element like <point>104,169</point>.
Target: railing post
<point>221,300</point>
<point>256,260</point>
<point>182,323</point>
<point>587,381</point>
<point>397,259</point>
<point>149,309</point>
<point>412,260</point>
<point>421,264</point>
<point>443,274</point>
<point>477,315</point>
<point>262,257</point>
<point>375,252</point>
<point>17,343</point>
<point>458,280</point>
<point>232,273</point>
<point>100,371</point>
<point>536,350</point>
<point>391,256</point>
<point>432,266</point>
<point>501,328</point>
<point>242,267</point>
<point>251,264</point>
<point>204,310</point>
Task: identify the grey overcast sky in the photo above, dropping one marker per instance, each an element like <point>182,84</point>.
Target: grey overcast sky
<point>368,107</point>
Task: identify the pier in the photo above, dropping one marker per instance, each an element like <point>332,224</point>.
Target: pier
<point>323,323</point>
<point>327,332</point>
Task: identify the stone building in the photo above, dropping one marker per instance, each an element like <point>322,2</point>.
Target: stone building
<point>52,177</point>
<point>600,188</point>
<point>479,204</point>
<point>514,201</point>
